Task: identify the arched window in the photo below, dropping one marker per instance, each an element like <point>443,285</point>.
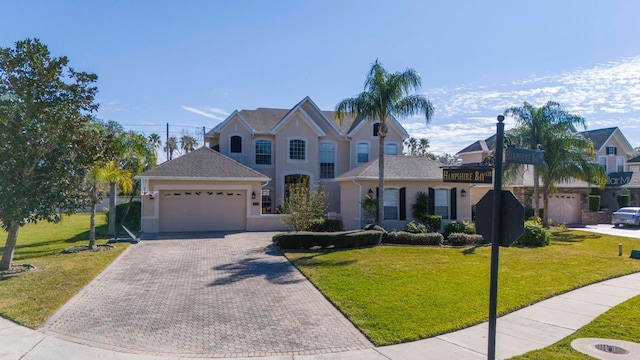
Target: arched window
<point>236,144</point>
<point>619,164</point>
<point>362,150</point>
<point>391,149</point>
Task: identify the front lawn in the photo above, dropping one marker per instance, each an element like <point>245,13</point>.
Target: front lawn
<point>621,323</point>
<point>396,294</point>
<point>30,299</point>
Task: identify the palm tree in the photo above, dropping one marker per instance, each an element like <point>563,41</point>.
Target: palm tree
<point>423,146</point>
<point>116,177</point>
<point>385,95</point>
<point>155,140</point>
<point>534,123</point>
<point>172,146</point>
<point>412,145</point>
<point>188,143</point>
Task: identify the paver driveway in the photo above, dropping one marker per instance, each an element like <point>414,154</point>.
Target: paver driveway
<point>220,296</point>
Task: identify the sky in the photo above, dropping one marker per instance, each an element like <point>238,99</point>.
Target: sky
<point>192,63</point>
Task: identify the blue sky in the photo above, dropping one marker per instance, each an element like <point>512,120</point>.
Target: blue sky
<point>191,63</point>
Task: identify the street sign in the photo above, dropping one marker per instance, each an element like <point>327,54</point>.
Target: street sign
<point>511,223</point>
<point>524,156</point>
<point>467,174</point>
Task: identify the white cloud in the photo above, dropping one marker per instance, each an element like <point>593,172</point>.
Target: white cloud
<point>212,113</point>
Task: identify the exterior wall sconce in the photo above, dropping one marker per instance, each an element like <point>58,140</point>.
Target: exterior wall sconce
<point>370,192</point>
<point>463,193</point>
<point>253,195</point>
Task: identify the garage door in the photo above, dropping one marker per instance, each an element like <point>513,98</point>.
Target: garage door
<point>198,210</point>
<point>564,208</point>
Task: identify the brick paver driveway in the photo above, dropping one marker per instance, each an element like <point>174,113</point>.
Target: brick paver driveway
<point>218,295</point>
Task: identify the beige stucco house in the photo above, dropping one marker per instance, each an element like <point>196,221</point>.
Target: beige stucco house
<point>250,158</point>
<point>569,201</point>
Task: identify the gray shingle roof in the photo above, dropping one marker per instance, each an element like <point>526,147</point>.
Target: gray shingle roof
<point>398,167</point>
<point>204,163</point>
<point>477,146</point>
<point>598,137</point>
<point>635,159</point>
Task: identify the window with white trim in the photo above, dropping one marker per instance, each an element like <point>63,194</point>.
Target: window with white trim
<point>619,164</point>
<point>327,160</point>
<point>612,150</point>
<point>263,152</point>
<point>441,203</point>
<point>297,149</point>
<point>362,150</point>
<point>603,161</point>
<point>236,144</point>
<point>391,204</point>
<point>391,149</point>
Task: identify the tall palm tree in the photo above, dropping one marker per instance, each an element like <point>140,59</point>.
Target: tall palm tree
<point>172,146</point>
<point>386,95</point>
<point>412,145</point>
<point>155,140</point>
<point>116,177</point>
<point>534,123</point>
<point>423,146</point>
<point>188,143</point>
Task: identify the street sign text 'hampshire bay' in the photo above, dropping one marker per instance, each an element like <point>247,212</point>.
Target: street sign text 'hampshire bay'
<point>464,174</point>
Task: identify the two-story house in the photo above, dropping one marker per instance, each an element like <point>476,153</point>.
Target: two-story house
<point>569,199</point>
<point>251,157</point>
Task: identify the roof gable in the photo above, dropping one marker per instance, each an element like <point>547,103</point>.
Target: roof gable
<point>235,115</point>
<point>204,163</point>
<point>306,116</point>
<point>391,123</point>
<point>599,136</point>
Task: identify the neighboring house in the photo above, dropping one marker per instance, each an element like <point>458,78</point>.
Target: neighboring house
<point>404,176</point>
<point>569,200</point>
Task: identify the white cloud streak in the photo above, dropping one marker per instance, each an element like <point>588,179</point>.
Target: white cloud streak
<point>211,113</point>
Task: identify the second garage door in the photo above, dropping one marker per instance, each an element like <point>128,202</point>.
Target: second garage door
<point>203,210</point>
<point>564,208</point>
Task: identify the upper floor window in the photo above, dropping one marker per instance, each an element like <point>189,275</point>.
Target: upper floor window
<point>391,149</point>
<point>391,204</point>
<point>327,160</point>
<point>263,152</point>
<point>363,152</point>
<point>612,150</point>
<point>620,164</point>
<point>297,149</point>
<point>603,161</point>
<point>376,129</point>
<point>236,144</point>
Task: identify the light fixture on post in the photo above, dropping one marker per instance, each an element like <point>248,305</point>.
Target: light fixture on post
<point>370,193</point>
<point>253,195</point>
<point>463,193</point>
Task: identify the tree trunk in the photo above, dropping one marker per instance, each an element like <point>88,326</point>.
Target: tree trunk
<point>126,210</point>
<point>9,246</point>
<point>545,199</point>
<point>112,208</point>
<point>536,192</point>
<point>382,132</point>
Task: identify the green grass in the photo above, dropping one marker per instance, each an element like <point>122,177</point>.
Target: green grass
<point>395,294</point>
<point>30,299</point>
<point>621,322</point>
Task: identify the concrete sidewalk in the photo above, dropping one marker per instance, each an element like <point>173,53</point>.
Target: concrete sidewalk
<point>531,328</point>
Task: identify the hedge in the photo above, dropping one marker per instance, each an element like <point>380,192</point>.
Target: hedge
<point>534,235</point>
<point>462,239</point>
<point>624,200</point>
<point>594,202</point>
<point>326,225</point>
<point>433,222</point>
<point>403,237</point>
<point>459,226</point>
<point>336,240</point>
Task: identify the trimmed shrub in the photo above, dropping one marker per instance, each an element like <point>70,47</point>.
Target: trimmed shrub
<point>403,237</point>
<point>530,213</point>
<point>416,228</point>
<point>462,239</point>
<point>133,217</point>
<point>594,202</point>
<point>421,206</point>
<point>433,222</point>
<point>336,240</point>
<point>375,227</point>
<point>624,200</point>
<point>326,225</point>
<point>459,226</point>
<point>534,235</point>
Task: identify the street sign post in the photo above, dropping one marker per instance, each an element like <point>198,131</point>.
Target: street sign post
<point>512,222</point>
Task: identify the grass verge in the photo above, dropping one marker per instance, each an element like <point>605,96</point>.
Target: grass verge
<point>622,322</point>
<point>395,294</point>
<point>30,299</point>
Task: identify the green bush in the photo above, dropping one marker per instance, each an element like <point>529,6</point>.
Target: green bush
<point>624,200</point>
<point>133,216</point>
<point>534,235</point>
<point>459,226</point>
<point>421,206</point>
<point>594,202</point>
<point>326,225</point>
<point>530,213</point>
<point>416,228</point>
<point>403,237</point>
<point>433,222</point>
<point>336,240</point>
<point>375,227</point>
<point>462,239</point>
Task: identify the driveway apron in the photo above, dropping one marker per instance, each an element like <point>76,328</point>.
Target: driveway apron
<point>225,295</point>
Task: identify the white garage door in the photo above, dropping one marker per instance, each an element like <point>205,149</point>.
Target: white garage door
<point>202,210</point>
<point>564,208</point>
